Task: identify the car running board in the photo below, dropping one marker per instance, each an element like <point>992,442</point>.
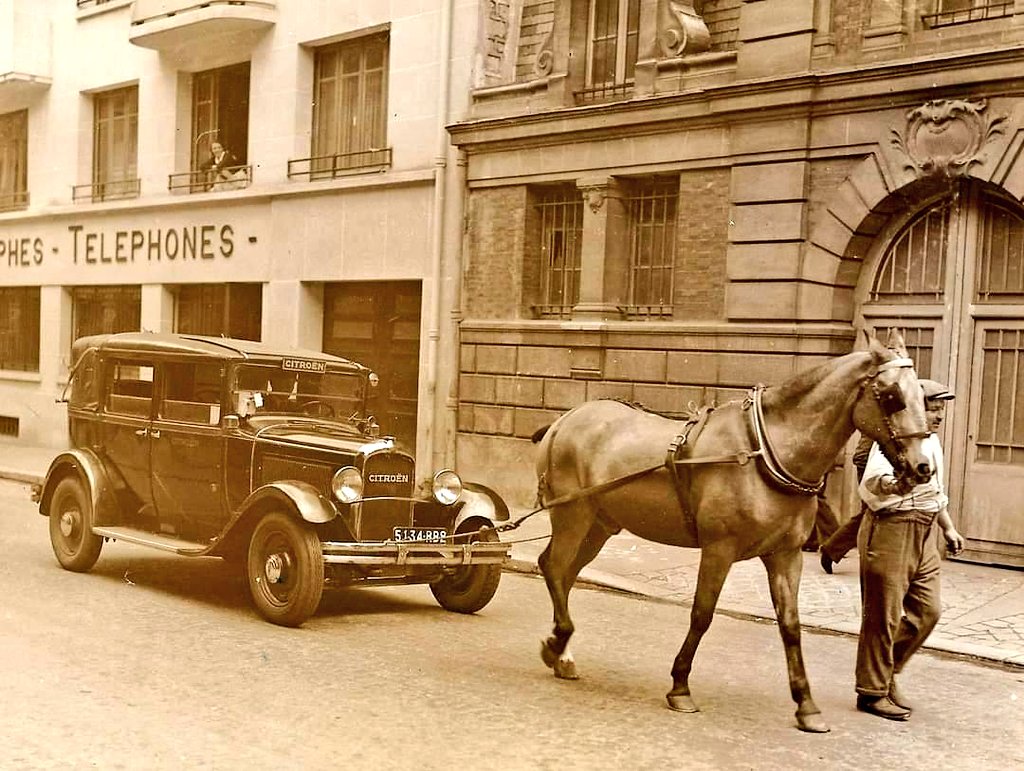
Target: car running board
<point>153,540</point>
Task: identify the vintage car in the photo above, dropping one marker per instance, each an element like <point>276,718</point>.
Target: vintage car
<point>265,457</point>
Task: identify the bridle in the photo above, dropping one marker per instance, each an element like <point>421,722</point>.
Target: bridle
<point>890,401</point>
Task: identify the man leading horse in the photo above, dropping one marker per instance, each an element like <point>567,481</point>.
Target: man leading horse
<point>738,482</point>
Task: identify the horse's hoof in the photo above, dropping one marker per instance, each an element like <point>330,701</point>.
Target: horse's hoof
<point>566,669</point>
<point>681,702</point>
<point>812,724</point>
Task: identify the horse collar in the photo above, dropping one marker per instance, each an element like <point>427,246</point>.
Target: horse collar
<point>771,463</point>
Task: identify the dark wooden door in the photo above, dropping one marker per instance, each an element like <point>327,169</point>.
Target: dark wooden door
<point>377,323</point>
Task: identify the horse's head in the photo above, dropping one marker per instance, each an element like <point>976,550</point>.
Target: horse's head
<point>890,409</point>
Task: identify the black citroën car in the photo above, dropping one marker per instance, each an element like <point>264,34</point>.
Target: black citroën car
<point>266,457</point>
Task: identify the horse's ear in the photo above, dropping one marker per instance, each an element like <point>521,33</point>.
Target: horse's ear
<point>895,342</point>
<point>878,351</point>
<point>867,336</point>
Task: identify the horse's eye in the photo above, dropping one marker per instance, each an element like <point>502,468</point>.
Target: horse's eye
<point>890,399</point>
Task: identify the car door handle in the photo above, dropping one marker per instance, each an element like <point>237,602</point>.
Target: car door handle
<point>141,432</point>
<point>155,433</point>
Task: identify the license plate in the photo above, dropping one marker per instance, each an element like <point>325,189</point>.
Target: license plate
<point>420,534</point>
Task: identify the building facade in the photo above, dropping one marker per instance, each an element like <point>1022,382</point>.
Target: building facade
<point>671,201</point>
<point>321,226</point>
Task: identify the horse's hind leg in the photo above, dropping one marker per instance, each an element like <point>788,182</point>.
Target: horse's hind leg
<point>784,581</point>
<point>714,567</point>
<point>576,538</point>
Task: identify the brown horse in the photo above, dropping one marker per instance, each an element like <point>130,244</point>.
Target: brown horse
<point>747,490</point>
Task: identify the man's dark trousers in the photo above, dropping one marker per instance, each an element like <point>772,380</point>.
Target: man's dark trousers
<point>899,561</point>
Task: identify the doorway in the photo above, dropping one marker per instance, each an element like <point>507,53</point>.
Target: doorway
<point>377,323</point>
<point>952,281</point>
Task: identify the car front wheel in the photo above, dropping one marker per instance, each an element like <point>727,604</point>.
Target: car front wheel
<point>470,588</point>
<point>285,569</point>
<point>71,536</point>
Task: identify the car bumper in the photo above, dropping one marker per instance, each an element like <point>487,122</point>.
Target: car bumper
<point>387,553</point>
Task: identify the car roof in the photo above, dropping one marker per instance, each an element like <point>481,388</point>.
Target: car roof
<point>201,345</point>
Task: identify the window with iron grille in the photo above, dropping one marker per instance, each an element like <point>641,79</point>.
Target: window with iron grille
<point>559,230</point>
<point>950,12</point>
<point>613,32</point>
<point>651,206</point>
<point>97,310</point>
<point>19,328</point>
<point>14,160</point>
<point>913,269</point>
<point>350,107</point>
<point>115,144</point>
<point>231,310</point>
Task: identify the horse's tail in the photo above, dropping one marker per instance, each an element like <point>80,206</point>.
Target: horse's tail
<point>537,435</point>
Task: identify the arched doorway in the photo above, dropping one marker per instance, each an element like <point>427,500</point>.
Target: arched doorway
<point>951,279</point>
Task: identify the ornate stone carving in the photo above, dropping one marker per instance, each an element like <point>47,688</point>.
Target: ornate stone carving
<point>946,136</point>
<point>545,60</point>
<point>594,195</point>
<point>681,30</point>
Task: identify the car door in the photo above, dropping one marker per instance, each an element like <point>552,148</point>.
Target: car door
<point>188,450</point>
<point>125,435</point>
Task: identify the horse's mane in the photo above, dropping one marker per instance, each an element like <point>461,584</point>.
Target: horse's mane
<point>807,379</point>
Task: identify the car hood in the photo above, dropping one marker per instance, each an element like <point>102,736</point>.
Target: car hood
<point>314,434</point>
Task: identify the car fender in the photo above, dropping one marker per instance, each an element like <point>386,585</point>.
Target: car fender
<point>480,503</point>
<point>88,468</point>
<point>299,498</point>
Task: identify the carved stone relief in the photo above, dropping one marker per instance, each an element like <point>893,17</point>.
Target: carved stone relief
<point>594,196</point>
<point>946,136</point>
<point>681,30</point>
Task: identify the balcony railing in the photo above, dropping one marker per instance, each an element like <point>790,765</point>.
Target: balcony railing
<point>14,201</point>
<point>340,164</point>
<point>111,190</point>
<point>1000,9</point>
<point>606,92</point>
<point>228,178</point>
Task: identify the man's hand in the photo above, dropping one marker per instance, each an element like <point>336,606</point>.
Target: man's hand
<point>895,485</point>
<point>954,541</point>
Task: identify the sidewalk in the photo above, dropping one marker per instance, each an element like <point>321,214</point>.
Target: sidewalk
<point>982,607</point>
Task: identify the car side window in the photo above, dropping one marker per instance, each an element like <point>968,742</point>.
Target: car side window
<point>131,388</point>
<point>191,392</point>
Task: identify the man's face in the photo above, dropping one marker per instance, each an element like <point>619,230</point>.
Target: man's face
<point>934,411</point>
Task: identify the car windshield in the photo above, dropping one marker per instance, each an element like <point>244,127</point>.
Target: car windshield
<point>263,389</point>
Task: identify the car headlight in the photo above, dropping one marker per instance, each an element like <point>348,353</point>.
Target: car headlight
<point>447,487</point>
<point>347,484</point>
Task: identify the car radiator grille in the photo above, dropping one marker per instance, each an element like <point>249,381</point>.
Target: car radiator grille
<point>384,475</point>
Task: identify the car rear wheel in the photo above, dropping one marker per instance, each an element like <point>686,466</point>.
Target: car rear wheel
<point>470,588</point>
<point>285,569</point>
<point>74,544</point>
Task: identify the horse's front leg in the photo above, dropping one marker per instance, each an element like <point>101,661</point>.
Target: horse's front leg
<point>784,581</point>
<point>715,562</point>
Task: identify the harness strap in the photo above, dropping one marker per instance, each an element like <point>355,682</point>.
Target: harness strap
<point>769,458</point>
<point>585,492</point>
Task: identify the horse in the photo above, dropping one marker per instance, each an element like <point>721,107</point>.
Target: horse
<point>746,488</point>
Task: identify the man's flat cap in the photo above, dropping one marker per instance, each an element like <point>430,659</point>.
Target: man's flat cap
<point>935,391</point>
